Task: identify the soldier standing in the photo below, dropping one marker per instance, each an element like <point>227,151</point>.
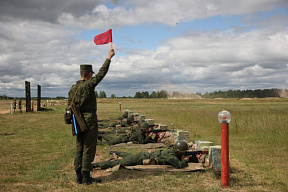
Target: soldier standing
<point>19,105</point>
<point>14,105</point>
<point>86,100</point>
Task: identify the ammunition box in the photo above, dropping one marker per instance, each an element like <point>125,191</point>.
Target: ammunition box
<point>199,145</point>
<point>149,121</point>
<point>180,135</point>
<point>215,157</point>
<point>162,126</point>
<point>142,117</point>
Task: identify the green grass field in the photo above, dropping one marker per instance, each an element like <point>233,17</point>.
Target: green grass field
<point>36,149</point>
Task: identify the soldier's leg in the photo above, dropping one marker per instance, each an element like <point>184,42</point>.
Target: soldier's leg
<point>136,159</point>
<point>107,164</point>
<point>78,152</point>
<point>120,139</point>
<point>106,138</point>
<point>89,149</point>
<point>129,160</point>
<point>121,154</point>
<point>78,158</point>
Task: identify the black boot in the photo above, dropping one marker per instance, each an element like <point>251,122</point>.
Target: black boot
<point>95,165</point>
<point>79,176</point>
<point>88,180</point>
<point>99,137</point>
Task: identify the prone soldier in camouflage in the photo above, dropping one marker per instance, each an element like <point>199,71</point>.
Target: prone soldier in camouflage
<point>125,120</point>
<point>85,99</point>
<point>161,157</point>
<point>135,135</point>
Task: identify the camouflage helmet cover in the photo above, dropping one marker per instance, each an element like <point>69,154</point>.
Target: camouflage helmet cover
<point>125,114</point>
<point>130,118</point>
<point>144,125</point>
<point>140,121</point>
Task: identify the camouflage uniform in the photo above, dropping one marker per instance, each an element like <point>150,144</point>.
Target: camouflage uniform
<point>136,135</point>
<point>19,105</point>
<point>14,104</point>
<point>86,100</point>
<point>163,157</point>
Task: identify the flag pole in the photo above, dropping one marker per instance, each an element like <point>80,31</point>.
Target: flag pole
<point>111,45</point>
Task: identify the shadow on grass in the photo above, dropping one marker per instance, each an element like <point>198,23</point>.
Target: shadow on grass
<point>45,109</point>
<point>6,134</point>
<point>243,179</point>
<point>124,174</point>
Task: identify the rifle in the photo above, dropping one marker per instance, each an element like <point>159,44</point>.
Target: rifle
<point>101,132</point>
<point>77,120</point>
<point>107,120</point>
<point>193,155</point>
<point>156,130</point>
<point>78,124</point>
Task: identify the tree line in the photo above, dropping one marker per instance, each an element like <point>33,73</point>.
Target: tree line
<point>216,94</point>
<point>144,94</point>
<point>247,93</point>
<point>154,94</point>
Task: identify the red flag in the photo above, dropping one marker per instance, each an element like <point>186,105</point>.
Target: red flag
<point>103,38</point>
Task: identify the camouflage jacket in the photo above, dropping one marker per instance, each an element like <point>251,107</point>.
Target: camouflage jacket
<point>169,157</point>
<point>85,97</point>
<point>142,138</point>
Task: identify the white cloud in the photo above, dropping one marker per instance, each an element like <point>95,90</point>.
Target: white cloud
<point>49,53</point>
<point>255,71</point>
<point>162,11</point>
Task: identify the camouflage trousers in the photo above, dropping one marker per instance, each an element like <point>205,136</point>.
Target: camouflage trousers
<point>128,160</point>
<point>113,141</point>
<point>85,149</point>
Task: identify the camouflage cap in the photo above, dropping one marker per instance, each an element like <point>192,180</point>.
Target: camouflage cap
<point>86,67</point>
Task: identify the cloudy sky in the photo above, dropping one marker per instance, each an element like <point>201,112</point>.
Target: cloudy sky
<point>186,45</point>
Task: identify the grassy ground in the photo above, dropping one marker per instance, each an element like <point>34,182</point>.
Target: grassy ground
<point>36,149</point>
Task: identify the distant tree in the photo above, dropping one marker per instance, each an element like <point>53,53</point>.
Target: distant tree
<point>145,94</point>
<point>154,95</point>
<point>112,96</point>
<point>245,93</point>
<point>102,94</point>
<point>163,94</point>
<point>138,95</point>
